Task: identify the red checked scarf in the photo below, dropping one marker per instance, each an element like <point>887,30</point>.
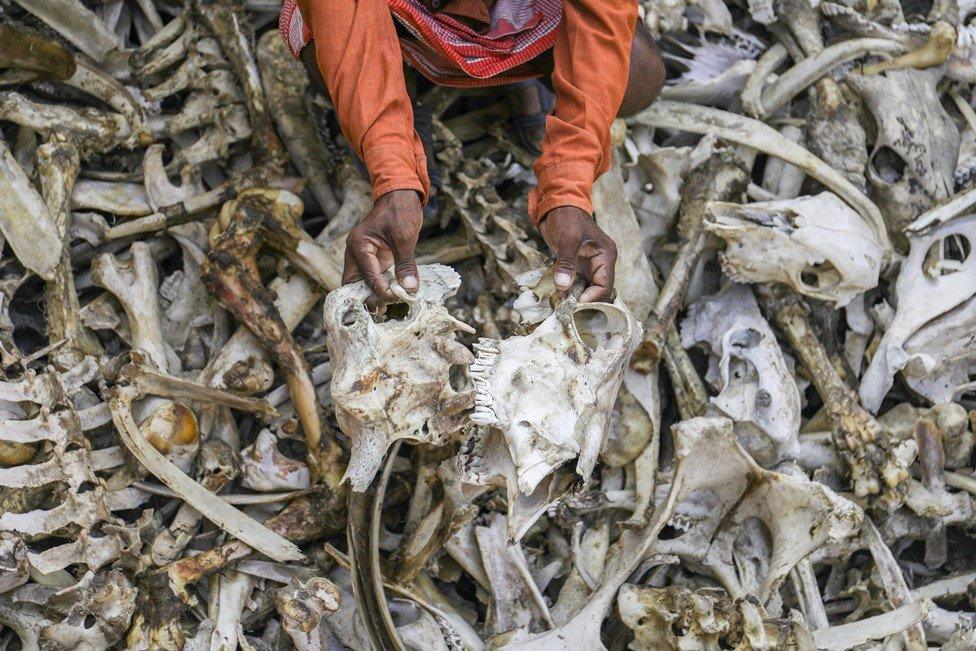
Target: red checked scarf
<point>449,52</point>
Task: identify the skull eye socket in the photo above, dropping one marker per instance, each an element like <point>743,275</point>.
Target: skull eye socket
<point>457,377</point>
<point>745,338</point>
<point>822,275</point>
<point>753,547</point>
<point>888,165</point>
<point>947,256</point>
<point>348,317</point>
<point>594,328</point>
<point>396,311</point>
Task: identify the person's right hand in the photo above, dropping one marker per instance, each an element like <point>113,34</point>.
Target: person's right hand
<point>386,236</point>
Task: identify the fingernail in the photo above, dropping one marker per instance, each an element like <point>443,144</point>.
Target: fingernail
<point>409,282</point>
<point>563,279</point>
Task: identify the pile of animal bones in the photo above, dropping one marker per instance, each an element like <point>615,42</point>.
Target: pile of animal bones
<point>763,443</point>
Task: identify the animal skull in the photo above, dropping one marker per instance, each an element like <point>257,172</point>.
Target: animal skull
<point>757,389</point>
<point>928,335</point>
<point>791,241</point>
<point>396,379</point>
<point>917,146</point>
<point>546,398</point>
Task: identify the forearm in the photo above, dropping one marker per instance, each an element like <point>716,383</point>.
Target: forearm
<point>591,59</point>
<point>358,54</point>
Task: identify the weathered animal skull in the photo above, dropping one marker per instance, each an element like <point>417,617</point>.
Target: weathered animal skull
<point>546,398</point>
<point>756,388</point>
<point>917,145</point>
<point>818,244</point>
<point>930,332</point>
<point>751,531</point>
<point>396,379</point>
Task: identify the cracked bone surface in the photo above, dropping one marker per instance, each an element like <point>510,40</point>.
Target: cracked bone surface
<point>185,380</point>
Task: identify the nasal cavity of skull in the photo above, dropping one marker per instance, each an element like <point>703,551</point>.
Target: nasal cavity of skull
<point>947,256</point>
<point>745,338</point>
<point>888,165</point>
<point>594,329</point>
<point>820,275</point>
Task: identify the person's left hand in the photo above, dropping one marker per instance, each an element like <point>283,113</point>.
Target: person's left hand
<point>581,247</point>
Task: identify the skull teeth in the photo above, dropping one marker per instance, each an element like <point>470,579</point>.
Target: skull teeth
<point>486,345</point>
<point>471,457</point>
<point>484,416</point>
<point>486,354</point>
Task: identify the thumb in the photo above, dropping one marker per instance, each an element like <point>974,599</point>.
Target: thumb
<point>564,269</point>
<point>405,267</point>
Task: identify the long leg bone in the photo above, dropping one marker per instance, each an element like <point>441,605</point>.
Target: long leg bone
<point>285,86</point>
<point>57,168</point>
<point>79,26</point>
<point>232,277</point>
<point>721,179</point>
<point>860,440</point>
<point>225,21</point>
<point>25,220</point>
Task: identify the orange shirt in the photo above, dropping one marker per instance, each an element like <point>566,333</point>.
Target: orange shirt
<point>359,56</point>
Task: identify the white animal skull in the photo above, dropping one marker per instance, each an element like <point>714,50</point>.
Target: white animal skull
<point>396,379</point>
<point>818,244</point>
<point>917,146</point>
<point>544,399</point>
<point>757,389</point>
<point>930,336</point>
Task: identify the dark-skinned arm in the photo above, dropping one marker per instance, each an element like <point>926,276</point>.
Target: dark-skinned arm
<point>591,60</point>
<point>358,54</point>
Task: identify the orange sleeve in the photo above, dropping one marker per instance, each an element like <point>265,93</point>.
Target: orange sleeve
<point>591,58</point>
<point>358,52</point>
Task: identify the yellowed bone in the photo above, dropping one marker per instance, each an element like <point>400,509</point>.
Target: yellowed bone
<point>941,44</point>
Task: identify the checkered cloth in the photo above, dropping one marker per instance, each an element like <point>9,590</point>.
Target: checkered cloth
<point>449,52</point>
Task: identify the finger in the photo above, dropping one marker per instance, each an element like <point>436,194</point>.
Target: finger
<point>369,266</point>
<point>350,272</point>
<point>405,266</point>
<point>564,269</point>
<point>375,306</point>
<point>601,279</point>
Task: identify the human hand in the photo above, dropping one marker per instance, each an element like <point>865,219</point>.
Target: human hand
<point>580,247</point>
<point>386,236</point>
